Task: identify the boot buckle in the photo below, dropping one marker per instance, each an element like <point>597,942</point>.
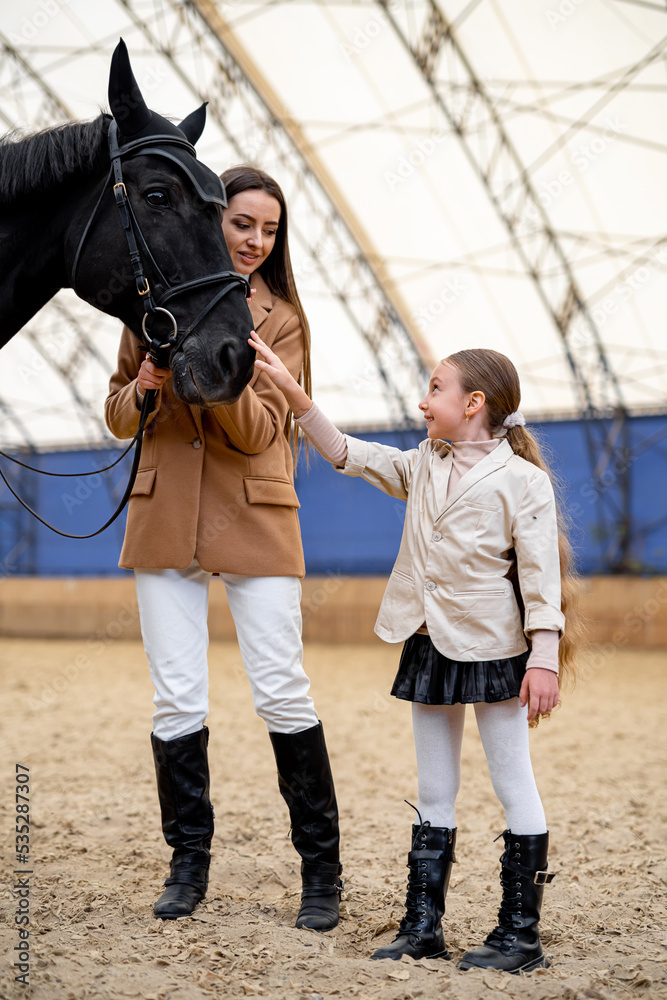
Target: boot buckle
<point>543,878</point>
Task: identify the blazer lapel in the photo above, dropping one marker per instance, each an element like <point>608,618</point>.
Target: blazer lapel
<point>495,460</point>
<point>261,303</point>
<point>260,308</point>
<point>441,468</point>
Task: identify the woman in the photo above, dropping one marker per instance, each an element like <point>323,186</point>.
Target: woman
<point>215,495</point>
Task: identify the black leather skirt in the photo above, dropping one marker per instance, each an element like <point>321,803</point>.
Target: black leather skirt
<point>428,676</point>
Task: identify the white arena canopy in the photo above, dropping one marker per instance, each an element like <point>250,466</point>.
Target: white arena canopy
<point>459,174</point>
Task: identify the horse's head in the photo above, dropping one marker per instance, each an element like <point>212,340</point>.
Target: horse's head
<point>153,252</point>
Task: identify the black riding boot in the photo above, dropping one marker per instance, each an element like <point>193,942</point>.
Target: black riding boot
<point>181,768</point>
<point>306,784</point>
<point>514,945</point>
<point>430,866</point>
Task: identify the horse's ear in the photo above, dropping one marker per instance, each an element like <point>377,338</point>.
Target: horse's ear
<point>193,125</point>
<point>125,98</point>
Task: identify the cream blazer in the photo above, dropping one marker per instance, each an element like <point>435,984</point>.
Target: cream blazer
<point>501,511</point>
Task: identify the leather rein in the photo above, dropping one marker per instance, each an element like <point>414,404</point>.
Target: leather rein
<point>159,349</point>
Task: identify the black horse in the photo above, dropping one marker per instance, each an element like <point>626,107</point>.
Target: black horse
<point>66,220</point>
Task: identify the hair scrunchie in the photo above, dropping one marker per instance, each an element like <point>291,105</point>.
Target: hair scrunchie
<point>516,419</point>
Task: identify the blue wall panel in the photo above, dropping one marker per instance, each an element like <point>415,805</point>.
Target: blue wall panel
<point>347,526</point>
<point>78,504</point>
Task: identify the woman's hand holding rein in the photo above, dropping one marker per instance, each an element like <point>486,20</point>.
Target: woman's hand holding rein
<point>150,376</point>
<point>270,363</point>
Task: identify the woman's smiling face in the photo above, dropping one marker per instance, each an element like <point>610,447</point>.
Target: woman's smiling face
<point>249,225</point>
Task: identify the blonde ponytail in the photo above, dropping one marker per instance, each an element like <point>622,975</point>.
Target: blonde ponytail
<point>526,446</point>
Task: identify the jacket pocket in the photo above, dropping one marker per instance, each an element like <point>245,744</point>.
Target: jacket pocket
<point>481,506</point>
<point>143,484</point>
<point>275,491</point>
<point>481,593</point>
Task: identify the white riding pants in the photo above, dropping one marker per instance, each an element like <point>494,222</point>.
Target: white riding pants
<point>173,609</point>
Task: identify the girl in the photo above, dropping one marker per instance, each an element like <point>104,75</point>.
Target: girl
<point>215,495</point>
<point>480,510</point>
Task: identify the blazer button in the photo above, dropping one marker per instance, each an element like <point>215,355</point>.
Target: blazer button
<point>436,536</point>
<point>196,443</point>
<point>430,585</point>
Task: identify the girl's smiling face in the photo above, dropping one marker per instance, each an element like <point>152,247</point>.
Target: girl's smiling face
<point>446,404</point>
<point>249,225</point>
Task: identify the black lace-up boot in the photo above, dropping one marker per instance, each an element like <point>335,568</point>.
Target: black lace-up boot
<point>306,784</point>
<point>181,768</point>
<point>514,945</point>
<point>430,866</point>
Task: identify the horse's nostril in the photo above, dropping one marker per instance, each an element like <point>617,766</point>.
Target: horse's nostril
<point>227,359</point>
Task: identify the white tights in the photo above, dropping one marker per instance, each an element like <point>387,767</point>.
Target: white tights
<point>438,732</point>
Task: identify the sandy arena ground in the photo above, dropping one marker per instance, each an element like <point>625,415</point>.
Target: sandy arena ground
<point>98,857</point>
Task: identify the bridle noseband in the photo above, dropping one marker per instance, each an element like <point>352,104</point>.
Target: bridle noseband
<point>160,352</point>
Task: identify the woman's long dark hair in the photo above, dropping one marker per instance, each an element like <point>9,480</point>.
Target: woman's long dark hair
<point>276,270</point>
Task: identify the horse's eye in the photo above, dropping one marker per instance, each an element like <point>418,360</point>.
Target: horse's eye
<point>158,199</point>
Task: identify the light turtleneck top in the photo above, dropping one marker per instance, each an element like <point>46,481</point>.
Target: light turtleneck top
<point>465,455</point>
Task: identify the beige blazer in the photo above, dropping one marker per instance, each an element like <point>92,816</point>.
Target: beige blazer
<point>216,484</point>
<point>502,510</point>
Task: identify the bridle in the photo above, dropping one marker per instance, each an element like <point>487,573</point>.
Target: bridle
<point>204,181</point>
<point>160,353</point>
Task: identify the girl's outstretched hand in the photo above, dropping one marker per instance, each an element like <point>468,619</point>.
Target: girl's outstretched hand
<point>540,690</point>
<point>270,363</point>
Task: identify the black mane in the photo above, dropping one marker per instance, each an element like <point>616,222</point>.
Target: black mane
<point>35,164</point>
